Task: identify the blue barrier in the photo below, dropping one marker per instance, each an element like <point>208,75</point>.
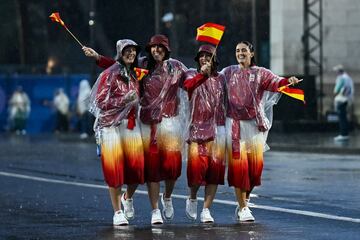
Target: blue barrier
<point>40,89</point>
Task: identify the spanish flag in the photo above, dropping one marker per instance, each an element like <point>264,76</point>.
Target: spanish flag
<point>55,17</point>
<point>210,32</point>
<point>293,92</point>
<point>140,73</point>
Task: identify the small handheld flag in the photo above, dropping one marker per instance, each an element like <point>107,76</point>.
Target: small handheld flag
<point>55,17</point>
<point>140,73</point>
<point>210,32</point>
<point>293,92</point>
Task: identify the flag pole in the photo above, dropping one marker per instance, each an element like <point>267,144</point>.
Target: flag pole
<point>212,56</point>
<point>74,37</point>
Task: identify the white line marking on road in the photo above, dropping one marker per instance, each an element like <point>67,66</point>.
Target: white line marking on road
<point>225,202</point>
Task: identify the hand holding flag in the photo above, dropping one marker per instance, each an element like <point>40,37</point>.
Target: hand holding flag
<point>55,17</point>
<point>293,92</point>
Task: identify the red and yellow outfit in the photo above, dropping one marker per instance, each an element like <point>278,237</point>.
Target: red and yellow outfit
<point>206,137</point>
<point>249,116</point>
<point>114,102</point>
<point>161,125</point>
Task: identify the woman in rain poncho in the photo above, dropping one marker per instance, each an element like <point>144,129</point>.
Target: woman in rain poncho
<point>114,102</point>
<point>249,118</point>
<point>206,137</point>
<point>161,124</point>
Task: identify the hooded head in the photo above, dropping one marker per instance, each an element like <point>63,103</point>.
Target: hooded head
<point>122,44</point>
<point>158,39</point>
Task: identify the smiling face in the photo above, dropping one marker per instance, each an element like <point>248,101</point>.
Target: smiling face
<point>204,57</point>
<point>158,52</point>
<point>243,55</point>
<point>129,55</point>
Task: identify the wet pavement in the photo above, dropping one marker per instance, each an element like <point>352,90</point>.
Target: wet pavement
<point>319,142</point>
<point>52,188</point>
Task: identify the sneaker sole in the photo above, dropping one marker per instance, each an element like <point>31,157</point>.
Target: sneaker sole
<point>209,221</point>
<point>121,224</point>
<point>157,223</point>
<point>247,221</point>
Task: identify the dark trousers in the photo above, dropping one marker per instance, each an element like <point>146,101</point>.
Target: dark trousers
<point>62,122</point>
<point>86,123</point>
<point>343,121</point>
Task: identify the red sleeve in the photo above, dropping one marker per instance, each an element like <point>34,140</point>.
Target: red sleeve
<point>283,82</point>
<point>191,84</point>
<point>104,62</point>
<point>271,82</point>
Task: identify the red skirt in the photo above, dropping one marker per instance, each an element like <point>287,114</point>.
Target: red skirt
<point>162,150</point>
<point>245,154</point>
<point>122,156</point>
<point>206,163</point>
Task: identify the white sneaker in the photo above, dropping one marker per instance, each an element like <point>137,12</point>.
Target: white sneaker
<point>156,217</point>
<point>244,215</point>
<point>168,210</point>
<point>128,207</point>
<point>191,208</point>
<point>205,216</point>
<point>341,138</point>
<point>119,219</point>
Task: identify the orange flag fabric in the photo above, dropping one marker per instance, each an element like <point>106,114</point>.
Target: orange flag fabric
<point>293,92</point>
<point>55,17</point>
<point>140,73</point>
<point>210,32</point>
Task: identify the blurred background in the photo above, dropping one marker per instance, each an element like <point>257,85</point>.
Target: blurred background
<point>291,37</point>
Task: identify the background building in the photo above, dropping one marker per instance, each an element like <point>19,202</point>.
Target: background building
<point>35,46</point>
<point>341,38</point>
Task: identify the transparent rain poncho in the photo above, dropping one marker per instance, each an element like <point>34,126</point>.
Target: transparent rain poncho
<point>206,107</point>
<point>161,92</point>
<point>162,120</point>
<point>205,131</point>
<point>114,97</point>
<point>251,94</point>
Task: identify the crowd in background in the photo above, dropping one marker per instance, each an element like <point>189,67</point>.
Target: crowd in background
<point>68,117</point>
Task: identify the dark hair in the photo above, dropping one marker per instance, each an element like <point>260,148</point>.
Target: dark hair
<point>251,47</point>
<point>151,61</point>
<point>214,64</point>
